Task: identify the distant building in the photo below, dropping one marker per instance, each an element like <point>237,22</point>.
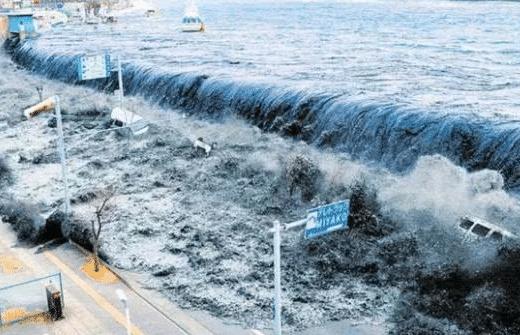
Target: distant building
<point>16,4</point>
<point>6,4</point>
<point>91,6</point>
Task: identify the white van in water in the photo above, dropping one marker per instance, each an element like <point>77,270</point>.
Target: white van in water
<point>124,118</point>
<point>192,24</point>
<point>475,228</point>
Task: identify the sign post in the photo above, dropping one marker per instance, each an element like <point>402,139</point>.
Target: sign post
<point>94,67</point>
<point>120,81</point>
<point>326,219</point>
<point>101,66</point>
<point>319,221</point>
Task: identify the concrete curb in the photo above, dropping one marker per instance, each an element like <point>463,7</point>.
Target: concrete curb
<point>182,320</point>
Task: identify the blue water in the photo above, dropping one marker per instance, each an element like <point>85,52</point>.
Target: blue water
<point>386,81</point>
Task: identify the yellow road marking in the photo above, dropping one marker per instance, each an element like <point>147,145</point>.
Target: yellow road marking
<point>98,298</point>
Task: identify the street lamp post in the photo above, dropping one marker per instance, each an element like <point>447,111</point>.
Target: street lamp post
<point>49,104</point>
<point>277,320</point>
<point>122,297</point>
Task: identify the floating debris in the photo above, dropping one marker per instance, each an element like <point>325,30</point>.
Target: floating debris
<point>200,144</point>
<point>125,118</point>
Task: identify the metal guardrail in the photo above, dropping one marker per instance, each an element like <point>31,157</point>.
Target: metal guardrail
<point>28,296</point>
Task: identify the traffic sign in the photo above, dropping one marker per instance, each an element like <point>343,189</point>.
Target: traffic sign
<point>320,221</point>
<point>326,219</point>
<point>94,67</point>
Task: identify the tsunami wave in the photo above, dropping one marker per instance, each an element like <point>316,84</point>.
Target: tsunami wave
<point>387,133</point>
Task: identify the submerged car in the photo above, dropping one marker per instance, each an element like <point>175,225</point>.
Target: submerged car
<point>475,228</point>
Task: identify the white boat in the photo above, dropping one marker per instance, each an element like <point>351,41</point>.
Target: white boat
<point>76,18</point>
<point>109,19</point>
<point>150,12</point>
<point>49,18</point>
<point>191,22</point>
<point>75,12</point>
<point>92,19</point>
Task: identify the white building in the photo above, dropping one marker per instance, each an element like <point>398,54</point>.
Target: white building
<point>6,4</point>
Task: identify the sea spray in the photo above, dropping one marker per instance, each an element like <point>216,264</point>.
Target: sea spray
<point>447,192</point>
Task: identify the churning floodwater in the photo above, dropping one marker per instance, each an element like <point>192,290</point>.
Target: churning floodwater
<point>386,81</point>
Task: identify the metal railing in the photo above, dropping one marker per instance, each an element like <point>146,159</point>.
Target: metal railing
<point>27,299</point>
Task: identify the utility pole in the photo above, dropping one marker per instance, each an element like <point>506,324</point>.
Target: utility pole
<point>277,322</point>
<point>124,300</point>
<point>120,81</point>
<point>45,106</point>
<point>63,159</point>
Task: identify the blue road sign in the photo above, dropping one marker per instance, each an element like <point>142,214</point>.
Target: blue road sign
<point>326,219</point>
<point>94,67</point>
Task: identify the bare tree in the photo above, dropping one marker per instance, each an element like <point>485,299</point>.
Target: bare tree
<point>98,224</point>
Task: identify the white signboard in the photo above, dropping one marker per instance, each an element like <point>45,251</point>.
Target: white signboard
<point>94,67</point>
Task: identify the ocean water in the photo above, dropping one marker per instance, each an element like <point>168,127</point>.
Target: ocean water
<point>462,56</point>
<point>385,81</point>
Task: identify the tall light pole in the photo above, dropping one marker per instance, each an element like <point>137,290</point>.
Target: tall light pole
<point>120,82</point>
<point>277,320</point>
<point>122,297</point>
<point>47,105</point>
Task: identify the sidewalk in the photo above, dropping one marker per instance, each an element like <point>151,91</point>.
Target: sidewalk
<point>92,307</point>
<point>80,316</point>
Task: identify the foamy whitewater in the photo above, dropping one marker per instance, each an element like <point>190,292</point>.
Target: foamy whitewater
<point>384,81</point>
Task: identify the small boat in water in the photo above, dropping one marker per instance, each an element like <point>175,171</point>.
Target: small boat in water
<point>150,13</point>
<point>191,22</point>
<point>93,20</point>
<point>109,19</point>
<point>49,18</point>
